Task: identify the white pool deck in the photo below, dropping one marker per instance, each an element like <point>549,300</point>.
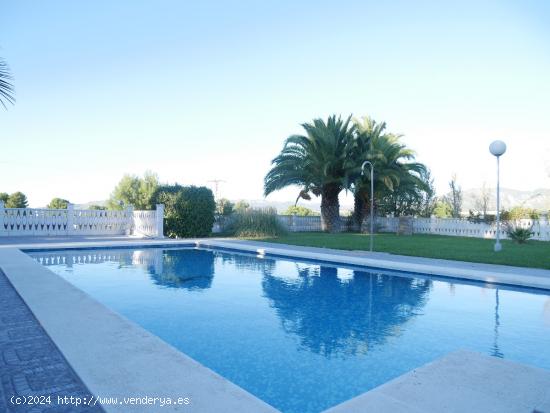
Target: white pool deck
<point>115,357</point>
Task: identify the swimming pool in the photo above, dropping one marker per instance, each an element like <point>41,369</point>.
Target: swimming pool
<point>305,336</point>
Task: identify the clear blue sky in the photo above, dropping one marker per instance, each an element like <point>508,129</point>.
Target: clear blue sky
<point>204,90</point>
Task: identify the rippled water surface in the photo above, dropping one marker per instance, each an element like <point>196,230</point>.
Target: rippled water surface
<point>305,336</point>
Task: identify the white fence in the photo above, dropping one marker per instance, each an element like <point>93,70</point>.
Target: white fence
<point>295,223</point>
<point>464,228</point>
<point>440,226</point>
<point>70,221</point>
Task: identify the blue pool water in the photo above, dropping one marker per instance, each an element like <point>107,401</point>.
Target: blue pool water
<point>304,336</point>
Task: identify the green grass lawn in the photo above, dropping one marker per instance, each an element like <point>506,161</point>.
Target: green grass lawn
<point>533,254</point>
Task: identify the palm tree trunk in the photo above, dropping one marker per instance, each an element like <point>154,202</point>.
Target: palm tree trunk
<point>330,208</point>
<point>359,210</point>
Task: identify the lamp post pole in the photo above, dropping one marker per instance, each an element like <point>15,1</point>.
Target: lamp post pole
<point>497,148</point>
<point>371,198</point>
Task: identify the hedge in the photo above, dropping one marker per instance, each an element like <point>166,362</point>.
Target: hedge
<point>188,210</point>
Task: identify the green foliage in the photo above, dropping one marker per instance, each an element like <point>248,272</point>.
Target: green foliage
<point>135,191</point>
<point>256,223</point>
<point>58,203</point>
<point>317,162</point>
<point>4,197</point>
<point>300,211</point>
<point>443,208</point>
<point>241,206</point>
<point>224,207</point>
<point>329,158</point>
<point>413,196</point>
<point>17,200</point>
<point>518,234</point>
<point>479,217</point>
<point>188,210</point>
<point>97,207</point>
<point>519,213</point>
<point>454,198</point>
<point>7,92</point>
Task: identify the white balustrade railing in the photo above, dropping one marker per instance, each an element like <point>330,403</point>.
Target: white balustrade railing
<point>70,221</point>
<point>464,228</point>
<point>296,223</point>
<point>440,226</point>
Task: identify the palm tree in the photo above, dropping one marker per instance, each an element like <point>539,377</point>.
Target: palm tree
<point>392,165</point>
<point>317,162</point>
<point>6,88</point>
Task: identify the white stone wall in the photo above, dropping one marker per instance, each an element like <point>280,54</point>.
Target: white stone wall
<point>70,221</point>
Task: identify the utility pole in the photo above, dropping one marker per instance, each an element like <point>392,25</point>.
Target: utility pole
<point>216,183</point>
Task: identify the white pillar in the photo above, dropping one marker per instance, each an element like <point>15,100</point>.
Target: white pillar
<point>70,219</point>
<point>160,220</point>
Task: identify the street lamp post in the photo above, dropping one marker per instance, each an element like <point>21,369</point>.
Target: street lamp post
<point>371,198</point>
<point>498,148</point>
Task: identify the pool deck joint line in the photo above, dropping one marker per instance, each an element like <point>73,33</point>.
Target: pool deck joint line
<point>115,357</point>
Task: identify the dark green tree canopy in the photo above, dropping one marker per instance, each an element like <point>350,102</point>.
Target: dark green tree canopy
<point>188,210</point>
<point>17,200</point>
<point>58,203</point>
<point>4,196</point>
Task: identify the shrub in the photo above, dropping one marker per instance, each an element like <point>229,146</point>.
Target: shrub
<point>300,211</point>
<point>58,203</point>
<point>188,210</point>
<point>520,213</point>
<point>256,223</point>
<point>519,234</point>
<point>224,207</point>
<point>478,217</point>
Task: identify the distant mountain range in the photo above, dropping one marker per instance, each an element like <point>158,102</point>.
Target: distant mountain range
<point>538,199</point>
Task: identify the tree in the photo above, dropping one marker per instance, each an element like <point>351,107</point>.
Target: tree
<point>454,198</point>
<point>17,200</point>
<point>97,207</point>
<point>443,208</point>
<point>397,178</point>
<point>4,197</point>
<point>7,92</point>
<point>317,162</point>
<point>481,203</point>
<point>410,198</point>
<point>58,203</point>
<point>300,211</point>
<point>135,191</point>
<point>224,207</point>
<point>241,206</point>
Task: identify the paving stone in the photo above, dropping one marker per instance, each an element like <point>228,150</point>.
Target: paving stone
<point>30,363</point>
